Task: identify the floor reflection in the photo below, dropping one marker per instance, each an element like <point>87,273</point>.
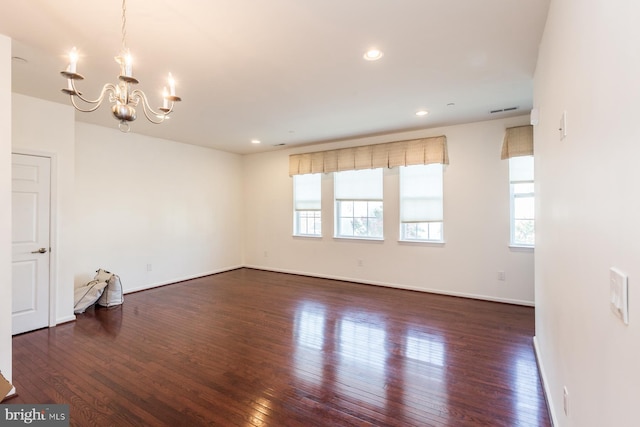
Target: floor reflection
<point>105,322</point>
<point>526,404</point>
<point>362,360</point>
<point>425,373</point>
<point>309,336</point>
<point>372,362</point>
<point>425,347</point>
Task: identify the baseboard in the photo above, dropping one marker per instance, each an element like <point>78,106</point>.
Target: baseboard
<point>180,279</point>
<point>397,286</point>
<point>545,383</point>
<point>65,319</point>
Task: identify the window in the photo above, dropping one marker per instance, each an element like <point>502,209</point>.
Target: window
<point>358,199</point>
<point>421,205</point>
<point>522,201</point>
<point>307,218</point>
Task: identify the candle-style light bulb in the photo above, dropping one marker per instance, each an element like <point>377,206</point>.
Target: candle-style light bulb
<point>73,60</point>
<point>165,101</point>
<point>172,85</point>
<point>128,65</point>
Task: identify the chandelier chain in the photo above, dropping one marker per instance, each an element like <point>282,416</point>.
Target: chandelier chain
<point>124,25</point>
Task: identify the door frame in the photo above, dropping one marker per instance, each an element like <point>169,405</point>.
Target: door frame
<point>53,220</point>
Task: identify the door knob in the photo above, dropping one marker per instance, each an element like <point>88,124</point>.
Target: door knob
<point>40,251</point>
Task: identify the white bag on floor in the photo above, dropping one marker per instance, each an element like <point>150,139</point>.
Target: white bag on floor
<point>113,294</point>
<point>85,296</point>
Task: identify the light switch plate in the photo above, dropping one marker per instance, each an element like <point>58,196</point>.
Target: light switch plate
<point>619,291</point>
<point>563,126</point>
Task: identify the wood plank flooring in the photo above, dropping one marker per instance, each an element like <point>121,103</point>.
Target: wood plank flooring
<point>255,348</point>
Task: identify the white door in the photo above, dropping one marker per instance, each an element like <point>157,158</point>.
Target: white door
<point>31,189</point>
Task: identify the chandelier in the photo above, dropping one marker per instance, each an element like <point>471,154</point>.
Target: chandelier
<point>122,95</point>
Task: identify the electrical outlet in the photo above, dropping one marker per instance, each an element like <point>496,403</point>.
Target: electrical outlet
<point>149,267</point>
<point>565,394</point>
<point>266,254</point>
<point>501,276</point>
<point>360,263</point>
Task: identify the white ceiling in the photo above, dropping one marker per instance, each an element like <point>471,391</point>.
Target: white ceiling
<point>287,71</point>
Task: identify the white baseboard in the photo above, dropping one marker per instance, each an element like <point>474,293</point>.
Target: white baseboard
<point>397,286</point>
<point>545,383</point>
<point>180,279</point>
<point>66,319</point>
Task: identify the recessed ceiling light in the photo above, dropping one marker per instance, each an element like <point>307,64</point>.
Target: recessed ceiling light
<point>422,113</point>
<point>373,54</point>
<point>255,141</point>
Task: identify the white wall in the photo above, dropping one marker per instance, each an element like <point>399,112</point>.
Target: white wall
<point>5,207</point>
<point>47,128</point>
<point>143,200</point>
<point>476,209</point>
<point>588,209</point>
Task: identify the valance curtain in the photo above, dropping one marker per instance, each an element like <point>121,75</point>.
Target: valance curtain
<point>400,153</point>
<point>518,141</point>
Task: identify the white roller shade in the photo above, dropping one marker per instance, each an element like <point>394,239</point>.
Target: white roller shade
<point>421,193</point>
<point>365,184</point>
<point>521,169</point>
<point>307,192</point>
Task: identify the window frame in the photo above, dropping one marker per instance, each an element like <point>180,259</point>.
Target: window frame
<point>513,196</point>
<point>405,224</point>
<point>298,220</point>
<point>338,231</point>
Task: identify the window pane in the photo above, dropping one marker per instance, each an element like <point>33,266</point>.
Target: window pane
<point>526,188</point>
<point>524,232</point>
<point>307,223</point>
<point>374,209</point>
<point>521,174</point>
<point>427,231</point>
<point>375,227</point>
<point>359,215</point>
<point>524,208</point>
<point>346,227</point>
<point>346,209</point>
<point>435,231</point>
<point>360,209</point>
<point>360,227</point>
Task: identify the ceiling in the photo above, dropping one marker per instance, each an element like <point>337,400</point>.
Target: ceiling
<point>287,71</point>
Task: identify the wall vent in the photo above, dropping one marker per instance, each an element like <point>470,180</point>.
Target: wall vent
<point>503,110</point>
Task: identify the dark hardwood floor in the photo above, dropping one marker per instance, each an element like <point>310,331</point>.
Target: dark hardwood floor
<point>255,348</point>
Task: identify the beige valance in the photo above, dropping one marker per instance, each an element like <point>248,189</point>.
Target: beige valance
<point>518,141</point>
<point>422,151</point>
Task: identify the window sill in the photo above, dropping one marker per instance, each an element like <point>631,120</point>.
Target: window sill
<point>307,236</point>
<point>362,239</point>
<point>519,248</point>
<point>437,244</point>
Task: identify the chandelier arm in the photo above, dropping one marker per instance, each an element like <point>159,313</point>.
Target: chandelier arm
<point>109,87</point>
<point>156,117</point>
